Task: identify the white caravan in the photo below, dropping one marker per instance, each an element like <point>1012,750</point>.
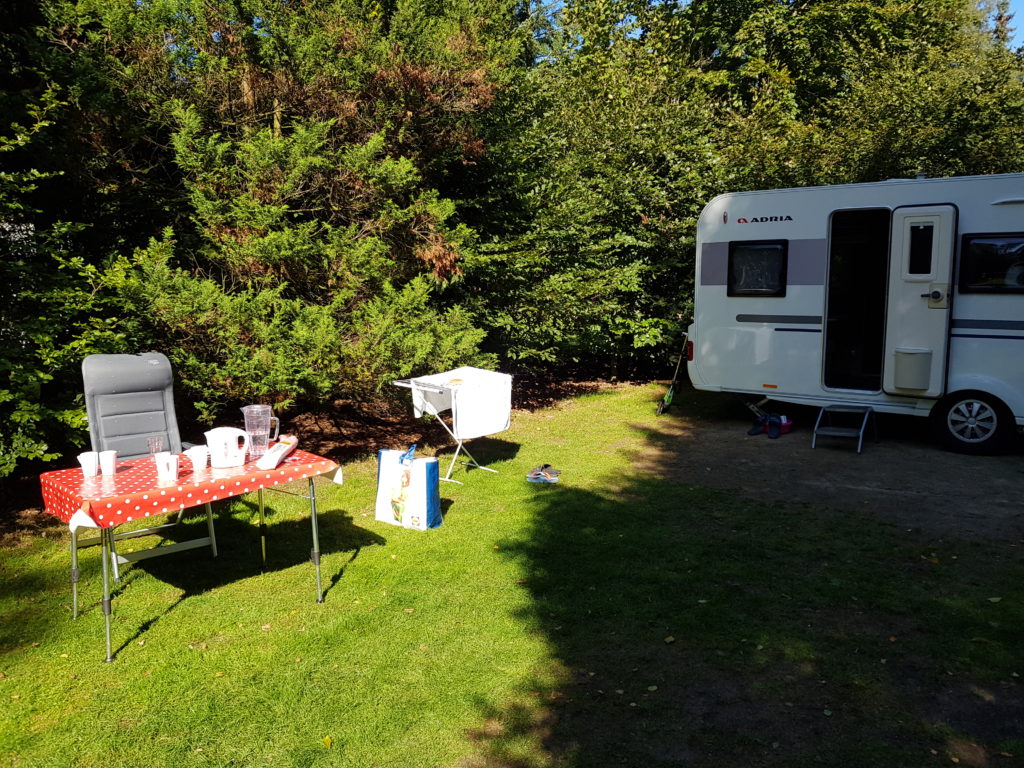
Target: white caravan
<point>905,295</point>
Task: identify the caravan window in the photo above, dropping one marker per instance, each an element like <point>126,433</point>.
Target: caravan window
<point>922,236</point>
<point>992,264</point>
<point>757,268</point>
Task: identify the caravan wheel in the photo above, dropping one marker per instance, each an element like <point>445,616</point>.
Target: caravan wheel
<point>972,422</point>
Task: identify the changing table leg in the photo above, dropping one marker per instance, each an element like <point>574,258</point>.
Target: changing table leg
<point>107,540</point>
<point>74,573</point>
<point>263,530</point>
<point>448,474</point>
<point>315,555</point>
<point>474,462</point>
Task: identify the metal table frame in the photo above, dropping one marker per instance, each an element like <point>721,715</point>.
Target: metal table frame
<point>111,558</point>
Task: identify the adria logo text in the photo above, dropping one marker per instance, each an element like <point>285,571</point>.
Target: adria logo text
<point>762,219</point>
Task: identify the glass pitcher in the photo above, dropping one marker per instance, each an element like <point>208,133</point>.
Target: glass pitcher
<point>258,420</point>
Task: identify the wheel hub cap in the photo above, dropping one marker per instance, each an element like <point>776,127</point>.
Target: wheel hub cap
<point>972,421</point>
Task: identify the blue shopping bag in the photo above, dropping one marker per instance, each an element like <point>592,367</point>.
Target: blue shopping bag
<point>408,490</point>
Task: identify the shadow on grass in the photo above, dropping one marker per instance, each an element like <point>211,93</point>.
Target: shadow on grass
<point>239,553</point>
<point>690,627</point>
<point>485,450</point>
<point>193,572</point>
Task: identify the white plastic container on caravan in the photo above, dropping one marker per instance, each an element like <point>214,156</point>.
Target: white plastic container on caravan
<point>904,295</point>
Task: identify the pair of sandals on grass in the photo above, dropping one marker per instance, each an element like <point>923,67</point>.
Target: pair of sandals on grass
<point>770,423</point>
<point>543,474</point>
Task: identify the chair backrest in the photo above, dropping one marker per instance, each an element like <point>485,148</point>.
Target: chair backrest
<point>129,398</point>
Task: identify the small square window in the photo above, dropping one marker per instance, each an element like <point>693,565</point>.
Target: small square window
<point>757,268</point>
<point>992,264</point>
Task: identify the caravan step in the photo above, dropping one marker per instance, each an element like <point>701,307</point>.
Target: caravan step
<point>838,431</point>
<point>825,427</point>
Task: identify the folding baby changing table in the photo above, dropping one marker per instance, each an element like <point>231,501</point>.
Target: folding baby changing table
<point>480,402</point>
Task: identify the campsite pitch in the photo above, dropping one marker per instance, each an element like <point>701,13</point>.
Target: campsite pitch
<point>644,611</point>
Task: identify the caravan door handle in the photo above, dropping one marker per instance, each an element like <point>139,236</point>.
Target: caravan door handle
<point>934,295</point>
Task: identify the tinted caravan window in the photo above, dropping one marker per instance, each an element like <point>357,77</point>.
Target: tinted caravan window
<point>922,237</point>
<point>757,268</point>
<point>992,264</point>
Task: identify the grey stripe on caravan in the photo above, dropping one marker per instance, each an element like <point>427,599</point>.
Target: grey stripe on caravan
<point>985,336</point>
<point>1003,325</point>
<point>786,319</point>
<point>806,263</point>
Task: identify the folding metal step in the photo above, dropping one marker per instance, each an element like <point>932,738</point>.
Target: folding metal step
<point>856,418</point>
<point>838,431</point>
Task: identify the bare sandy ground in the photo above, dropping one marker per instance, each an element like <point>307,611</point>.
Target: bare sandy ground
<point>905,478</point>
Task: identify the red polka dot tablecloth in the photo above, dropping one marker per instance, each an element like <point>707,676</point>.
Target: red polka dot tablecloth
<point>133,491</point>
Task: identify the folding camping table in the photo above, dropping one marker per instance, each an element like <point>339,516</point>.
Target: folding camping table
<point>133,493</point>
<point>480,402</point>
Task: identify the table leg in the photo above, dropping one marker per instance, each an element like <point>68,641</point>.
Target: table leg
<point>209,527</point>
<point>263,530</point>
<point>315,554</point>
<point>74,573</point>
<point>113,557</point>
<point>107,541</point>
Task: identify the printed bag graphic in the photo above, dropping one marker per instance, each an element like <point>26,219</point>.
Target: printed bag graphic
<point>408,492</point>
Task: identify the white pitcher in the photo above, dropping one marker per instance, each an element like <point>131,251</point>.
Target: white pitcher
<point>228,446</point>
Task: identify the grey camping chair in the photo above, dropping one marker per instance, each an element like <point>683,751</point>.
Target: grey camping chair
<point>128,399</point>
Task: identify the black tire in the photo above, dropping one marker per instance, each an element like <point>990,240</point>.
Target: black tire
<point>973,422</point>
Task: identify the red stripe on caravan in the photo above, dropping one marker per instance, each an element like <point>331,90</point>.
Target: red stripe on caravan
<point>770,386</point>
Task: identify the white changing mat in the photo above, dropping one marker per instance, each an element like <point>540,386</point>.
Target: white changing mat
<point>480,401</point>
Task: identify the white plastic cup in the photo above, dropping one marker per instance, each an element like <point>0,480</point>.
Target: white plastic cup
<point>108,462</point>
<point>166,466</point>
<point>198,454</point>
<point>90,461</point>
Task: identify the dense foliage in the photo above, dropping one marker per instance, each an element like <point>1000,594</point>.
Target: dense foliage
<point>300,201</point>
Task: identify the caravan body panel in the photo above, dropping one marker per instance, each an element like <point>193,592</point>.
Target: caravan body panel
<point>863,294</point>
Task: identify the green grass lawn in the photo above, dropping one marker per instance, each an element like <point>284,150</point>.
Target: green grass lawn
<point>622,617</point>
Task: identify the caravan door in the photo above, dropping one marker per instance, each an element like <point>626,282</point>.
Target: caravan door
<point>917,316</point>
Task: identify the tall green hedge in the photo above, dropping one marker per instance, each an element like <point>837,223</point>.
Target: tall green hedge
<point>299,202</point>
